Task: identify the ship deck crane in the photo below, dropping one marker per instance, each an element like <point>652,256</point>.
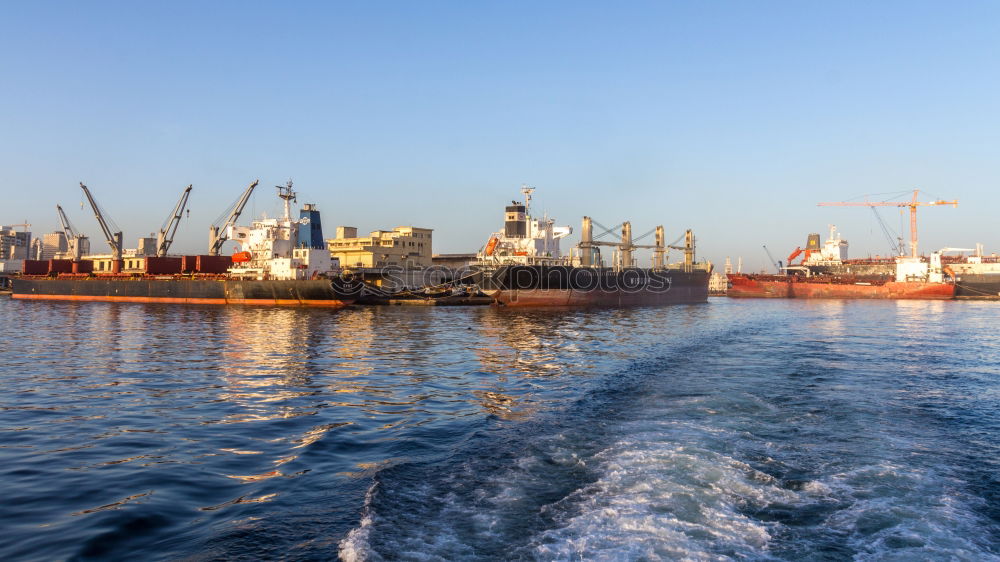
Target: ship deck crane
<point>73,238</point>
<point>166,235</point>
<point>627,245</point>
<point>114,239</point>
<point>774,262</point>
<point>912,204</point>
<point>217,235</point>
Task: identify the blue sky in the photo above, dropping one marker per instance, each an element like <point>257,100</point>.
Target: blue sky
<point>730,118</point>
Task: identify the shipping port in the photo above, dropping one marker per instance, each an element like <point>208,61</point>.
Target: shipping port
<point>279,262</point>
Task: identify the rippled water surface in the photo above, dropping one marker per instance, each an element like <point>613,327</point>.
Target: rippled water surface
<point>761,430</point>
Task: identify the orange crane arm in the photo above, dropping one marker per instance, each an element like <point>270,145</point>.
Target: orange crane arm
<point>912,204</point>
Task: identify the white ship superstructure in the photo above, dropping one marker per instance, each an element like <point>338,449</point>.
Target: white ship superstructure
<point>270,248</point>
<point>525,240</point>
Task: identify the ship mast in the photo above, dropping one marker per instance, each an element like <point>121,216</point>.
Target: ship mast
<point>286,193</point>
<point>527,190</point>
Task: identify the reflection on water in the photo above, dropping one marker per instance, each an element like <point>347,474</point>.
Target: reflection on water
<point>251,432</point>
<point>201,415</point>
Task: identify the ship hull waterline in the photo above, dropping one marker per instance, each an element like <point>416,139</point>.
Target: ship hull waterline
<point>310,293</point>
<point>746,286</point>
<point>556,286</point>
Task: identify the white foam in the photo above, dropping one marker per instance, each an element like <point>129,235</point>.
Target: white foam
<point>658,499</point>
<point>900,513</point>
<point>355,546</point>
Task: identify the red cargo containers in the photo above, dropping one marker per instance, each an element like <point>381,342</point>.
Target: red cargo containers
<point>213,264</point>
<point>85,266</point>
<point>162,265</point>
<point>36,267</point>
<point>189,264</point>
<point>206,264</point>
<point>60,266</point>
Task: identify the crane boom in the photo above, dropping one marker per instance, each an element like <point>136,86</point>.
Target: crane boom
<point>217,234</point>
<point>912,204</point>
<point>775,263</point>
<point>166,235</point>
<point>74,240</point>
<point>66,225</point>
<point>114,239</point>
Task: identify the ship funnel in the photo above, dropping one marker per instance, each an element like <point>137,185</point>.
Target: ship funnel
<point>516,221</point>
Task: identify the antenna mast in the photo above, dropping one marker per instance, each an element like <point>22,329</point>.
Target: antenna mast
<point>285,192</point>
<point>527,190</point>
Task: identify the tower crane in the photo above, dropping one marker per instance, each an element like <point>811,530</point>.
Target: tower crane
<point>217,235</point>
<point>912,204</point>
<point>166,235</point>
<point>114,239</point>
<point>73,238</point>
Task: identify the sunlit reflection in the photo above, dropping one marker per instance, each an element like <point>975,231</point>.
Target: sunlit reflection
<point>114,505</point>
<point>256,477</point>
<point>239,500</point>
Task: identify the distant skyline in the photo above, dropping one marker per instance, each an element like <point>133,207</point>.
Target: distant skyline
<point>731,118</point>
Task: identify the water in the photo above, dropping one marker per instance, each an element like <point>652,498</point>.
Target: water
<point>760,430</point>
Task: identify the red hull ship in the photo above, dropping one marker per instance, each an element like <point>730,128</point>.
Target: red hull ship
<point>790,287</point>
<point>826,273</point>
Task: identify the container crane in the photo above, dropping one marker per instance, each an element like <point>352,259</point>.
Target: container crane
<point>217,235</point>
<point>73,238</point>
<point>114,239</point>
<point>912,204</point>
<point>166,235</point>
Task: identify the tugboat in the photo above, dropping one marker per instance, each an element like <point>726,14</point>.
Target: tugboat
<point>279,262</point>
<point>522,265</point>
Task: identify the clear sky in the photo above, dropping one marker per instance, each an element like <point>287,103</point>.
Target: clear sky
<point>730,118</point>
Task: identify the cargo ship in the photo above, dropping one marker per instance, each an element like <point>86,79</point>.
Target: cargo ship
<point>976,276</point>
<point>278,262</point>
<point>523,266</point>
<point>826,273</point>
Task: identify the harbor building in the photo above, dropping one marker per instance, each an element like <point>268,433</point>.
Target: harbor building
<point>14,245</point>
<point>14,248</point>
<point>406,247</point>
<point>133,259</point>
<point>718,284</point>
<point>53,243</point>
<point>147,246</point>
<point>84,243</point>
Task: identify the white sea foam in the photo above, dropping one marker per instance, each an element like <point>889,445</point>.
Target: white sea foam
<point>902,513</point>
<point>659,499</point>
<point>355,547</point>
